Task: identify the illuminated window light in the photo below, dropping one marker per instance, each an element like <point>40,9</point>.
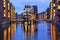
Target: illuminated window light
<point>4,0</point>
<point>54,14</point>
<point>5,33</point>
<point>8,15</point>
<point>54,10</point>
<point>58,6</point>
<point>4,11</point>
<point>4,5</point>
<point>8,6</point>
<point>4,15</point>
<point>54,5</point>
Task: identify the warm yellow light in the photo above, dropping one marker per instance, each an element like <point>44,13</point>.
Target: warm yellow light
<point>33,17</point>
<point>8,15</point>
<point>4,3</point>
<point>4,11</point>
<point>26,24</point>
<point>50,16</point>
<point>5,34</point>
<point>4,0</point>
<point>9,29</point>
<point>4,15</point>
<point>54,14</point>
<point>54,10</point>
<point>54,5</point>
<point>58,6</point>
<point>46,16</point>
<point>51,5</point>
<point>32,27</point>
<point>8,6</point>
<point>9,33</point>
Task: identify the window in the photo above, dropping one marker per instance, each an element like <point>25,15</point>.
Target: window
<point>4,13</point>
<point>58,6</point>
<point>8,15</point>
<point>8,6</point>
<point>4,3</point>
<point>54,5</point>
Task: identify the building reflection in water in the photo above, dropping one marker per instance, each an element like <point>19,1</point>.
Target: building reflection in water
<point>13,29</point>
<point>9,32</point>
<point>30,34</point>
<point>53,31</point>
<point>5,34</point>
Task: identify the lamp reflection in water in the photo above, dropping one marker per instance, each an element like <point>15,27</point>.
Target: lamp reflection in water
<point>9,33</point>
<point>29,33</point>
<point>26,24</point>
<point>13,29</point>
<point>32,26</point>
<point>53,32</point>
<point>5,34</point>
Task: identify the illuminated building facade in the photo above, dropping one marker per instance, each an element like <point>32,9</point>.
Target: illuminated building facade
<point>13,14</point>
<point>34,10</point>
<point>53,10</point>
<point>5,11</point>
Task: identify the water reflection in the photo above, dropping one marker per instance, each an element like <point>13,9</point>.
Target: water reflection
<point>7,31</point>
<point>29,30</point>
<point>53,31</point>
<point>41,31</point>
<point>5,34</point>
<point>30,35</point>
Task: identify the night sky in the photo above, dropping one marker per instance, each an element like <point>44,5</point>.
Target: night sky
<point>20,4</point>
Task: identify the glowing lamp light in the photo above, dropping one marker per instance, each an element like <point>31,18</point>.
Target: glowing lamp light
<point>4,15</point>
<point>58,6</point>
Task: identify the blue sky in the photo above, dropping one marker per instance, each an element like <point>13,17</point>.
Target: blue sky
<point>19,4</point>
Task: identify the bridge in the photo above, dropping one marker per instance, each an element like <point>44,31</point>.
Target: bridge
<point>20,20</point>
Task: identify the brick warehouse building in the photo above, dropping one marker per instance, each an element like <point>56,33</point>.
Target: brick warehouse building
<point>34,8</point>
<point>5,11</point>
<point>5,16</point>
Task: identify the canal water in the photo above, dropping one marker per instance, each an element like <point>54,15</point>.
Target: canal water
<point>16,32</point>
